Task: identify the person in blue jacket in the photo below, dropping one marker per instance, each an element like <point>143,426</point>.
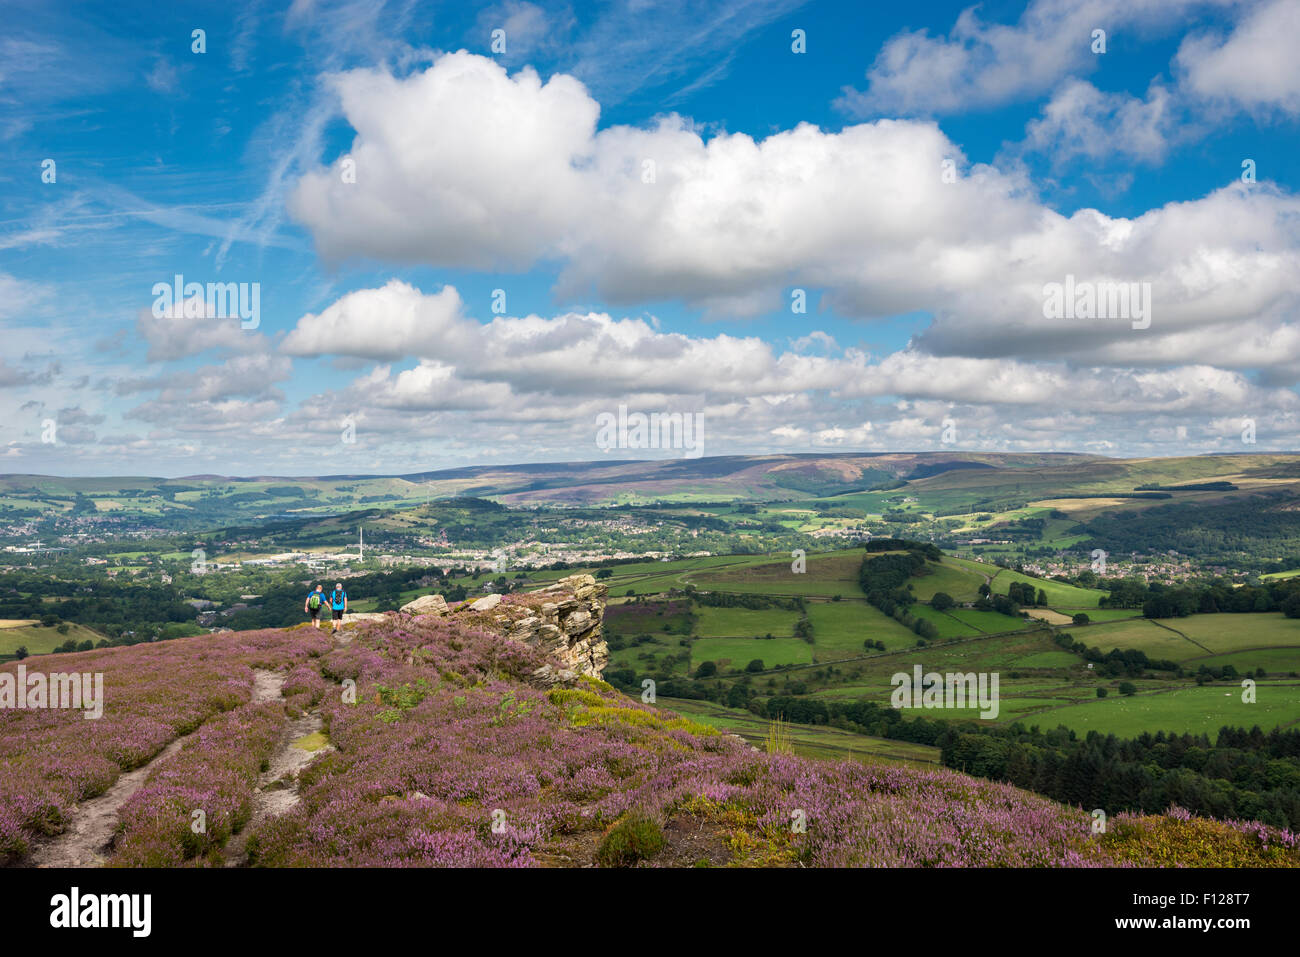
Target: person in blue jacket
<point>313,605</point>
<point>338,604</point>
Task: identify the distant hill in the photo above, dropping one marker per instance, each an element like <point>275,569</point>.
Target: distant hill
<point>958,476</point>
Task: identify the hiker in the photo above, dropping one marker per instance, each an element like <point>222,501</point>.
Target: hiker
<point>314,603</point>
<point>338,603</point>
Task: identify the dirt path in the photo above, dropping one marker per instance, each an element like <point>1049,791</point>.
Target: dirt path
<point>266,686</point>
<point>85,842</point>
<point>277,788</point>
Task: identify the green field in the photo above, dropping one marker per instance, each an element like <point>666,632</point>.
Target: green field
<point>812,740</point>
<point>1048,659</point>
<point>1266,639</point>
<point>951,576</point>
<point>39,641</point>
<point>827,575</point>
<point>989,622</point>
<point>840,628</point>
<point>1189,709</point>
<point>1110,614</point>
<point>1138,635</point>
<point>1223,633</point>
<point>714,622</point>
<point>1060,596</point>
<point>948,625</point>
<point>736,653</point>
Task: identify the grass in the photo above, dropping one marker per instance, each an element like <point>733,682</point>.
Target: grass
<point>949,627</point>
<point>311,742</point>
<point>1190,709</point>
<point>1268,638</point>
<point>840,628</point>
<point>988,622</point>
<point>870,678</point>
<point>1223,633</point>
<point>40,641</point>
<point>1048,659</point>
<point>1139,635</point>
<point>778,737</point>
<point>827,575</point>
<point>739,652</point>
<point>951,577</point>
<point>1112,614</point>
<point>1060,596</point>
<point>744,622</point>
<point>1283,661</point>
<point>817,741</point>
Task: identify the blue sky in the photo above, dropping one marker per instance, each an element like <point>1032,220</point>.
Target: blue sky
<point>526,170</point>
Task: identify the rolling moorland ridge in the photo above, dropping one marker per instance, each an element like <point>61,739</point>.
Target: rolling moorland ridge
<point>482,734</point>
<point>1159,681</point>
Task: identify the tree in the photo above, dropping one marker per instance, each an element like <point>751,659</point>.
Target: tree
<point>941,601</point>
<point>21,653</point>
<point>1127,688</point>
<point>1081,619</point>
<point>604,572</point>
<point>1291,607</point>
<point>1102,692</point>
<point>707,669</point>
<point>755,665</point>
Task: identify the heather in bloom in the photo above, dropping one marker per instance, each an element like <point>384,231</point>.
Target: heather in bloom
<point>153,694</point>
<point>450,756</point>
<point>196,799</point>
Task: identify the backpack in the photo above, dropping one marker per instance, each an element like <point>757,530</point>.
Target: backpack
<point>314,601</point>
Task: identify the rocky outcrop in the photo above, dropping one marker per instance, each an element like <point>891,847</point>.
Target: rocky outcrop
<point>427,605</point>
<point>564,620</point>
